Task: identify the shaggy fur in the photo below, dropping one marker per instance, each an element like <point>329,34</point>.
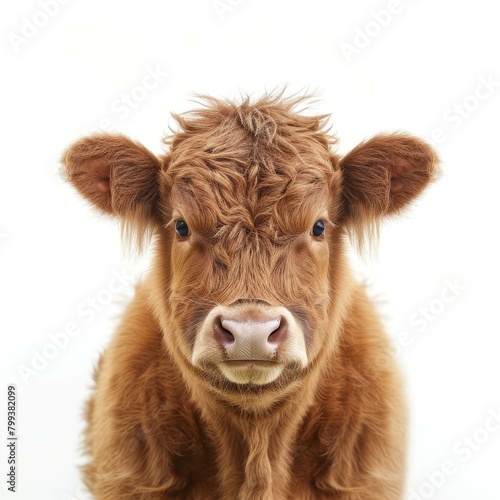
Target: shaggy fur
<point>250,180</point>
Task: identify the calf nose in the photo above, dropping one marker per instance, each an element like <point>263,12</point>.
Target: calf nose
<point>247,339</point>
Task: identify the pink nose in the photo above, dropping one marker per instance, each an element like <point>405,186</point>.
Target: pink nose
<point>243,338</point>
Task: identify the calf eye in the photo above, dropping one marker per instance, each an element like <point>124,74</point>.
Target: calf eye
<point>181,228</point>
<point>318,228</point>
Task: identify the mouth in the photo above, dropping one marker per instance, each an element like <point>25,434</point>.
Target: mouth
<point>250,371</point>
<point>245,363</point>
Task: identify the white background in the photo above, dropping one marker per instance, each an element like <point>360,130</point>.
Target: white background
<point>420,69</point>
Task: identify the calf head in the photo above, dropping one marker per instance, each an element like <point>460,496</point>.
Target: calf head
<point>249,208</point>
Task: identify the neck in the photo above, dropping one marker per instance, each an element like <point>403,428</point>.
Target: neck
<point>255,442</point>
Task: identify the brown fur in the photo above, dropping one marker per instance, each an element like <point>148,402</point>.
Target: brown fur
<point>250,180</point>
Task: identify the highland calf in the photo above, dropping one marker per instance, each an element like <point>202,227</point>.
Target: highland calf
<point>250,364</point>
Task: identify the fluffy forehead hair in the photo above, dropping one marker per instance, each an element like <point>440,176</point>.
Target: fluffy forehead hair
<point>250,164</point>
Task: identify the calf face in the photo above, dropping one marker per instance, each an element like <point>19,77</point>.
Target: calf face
<point>249,208</point>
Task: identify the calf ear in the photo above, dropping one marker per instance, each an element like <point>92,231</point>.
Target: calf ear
<point>382,176</point>
<point>118,176</point>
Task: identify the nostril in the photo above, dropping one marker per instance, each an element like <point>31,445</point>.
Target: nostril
<point>250,336</point>
<point>223,337</point>
<point>278,336</point>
